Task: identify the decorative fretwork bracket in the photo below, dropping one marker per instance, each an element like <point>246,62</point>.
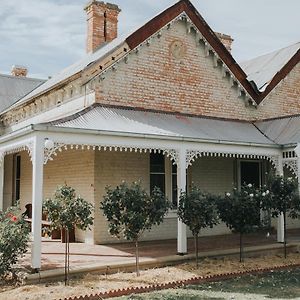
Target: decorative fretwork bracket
<point>292,165</point>
<point>49,153</point>
<point>192,155</point>
<point>15,148</point>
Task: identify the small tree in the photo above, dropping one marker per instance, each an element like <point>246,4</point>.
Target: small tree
<point>240,210</point>
<point>130,211</point>
<point>14,238</point>
<point>284,199</point>
<point>197,210</point>
<point>66,211</point>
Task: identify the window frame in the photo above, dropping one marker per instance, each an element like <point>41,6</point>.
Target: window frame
<point>239,161</point>
<point>168,178</point>
<point>16,189</point>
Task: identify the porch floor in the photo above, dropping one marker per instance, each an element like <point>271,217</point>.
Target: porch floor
<point>84,256</point>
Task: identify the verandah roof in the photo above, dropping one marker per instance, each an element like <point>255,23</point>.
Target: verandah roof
<point>283,131</point>
<point>127,121</point>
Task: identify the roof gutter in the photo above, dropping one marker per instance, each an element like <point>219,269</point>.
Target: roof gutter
<point>16,134</point>
<point>41,127</point>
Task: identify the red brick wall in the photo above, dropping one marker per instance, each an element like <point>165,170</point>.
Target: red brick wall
<point>102,24</point>
<point>284,100</point>
<point>155,79</point>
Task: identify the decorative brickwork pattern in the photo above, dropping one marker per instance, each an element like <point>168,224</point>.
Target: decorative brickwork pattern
<point>175,74</point>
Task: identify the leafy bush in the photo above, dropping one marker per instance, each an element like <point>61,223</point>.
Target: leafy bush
<point>240,210</point>
<point>130,211</point>
<point>197,210</point>
<point>14,237</point>
<point>284,199</point>
<point>66,211</point>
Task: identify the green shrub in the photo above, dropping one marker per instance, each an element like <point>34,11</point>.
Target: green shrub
<point>198,210</point>
<point>130,211</point>
<point>14,237</point>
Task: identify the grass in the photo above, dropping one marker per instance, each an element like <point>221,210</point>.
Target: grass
<point>178,294</point>
<point>279,284</point>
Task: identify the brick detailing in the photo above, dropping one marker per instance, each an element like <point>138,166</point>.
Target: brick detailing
<point>162,77</point>
<point>102,24</point>
<point>226,39</point>
<point>180,283</point>
<point>19,71</point>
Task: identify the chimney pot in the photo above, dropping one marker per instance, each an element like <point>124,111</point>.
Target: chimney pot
<point>102,23</point>
<point>19,71</point>
<point>226,40</point>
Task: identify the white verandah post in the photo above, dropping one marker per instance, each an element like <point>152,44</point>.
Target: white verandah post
<point>181,187</point>
<point>37,197</point>
<point>1,184</point>
<point>280,219</point>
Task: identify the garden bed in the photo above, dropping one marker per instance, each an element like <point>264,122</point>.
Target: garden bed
<point>93,284</point>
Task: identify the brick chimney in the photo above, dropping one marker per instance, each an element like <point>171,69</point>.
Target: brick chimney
<point>19,71</point>
<point>226,40</point>
<point>102,24</point>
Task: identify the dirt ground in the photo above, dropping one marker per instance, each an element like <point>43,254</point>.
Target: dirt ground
<point>92,284</point>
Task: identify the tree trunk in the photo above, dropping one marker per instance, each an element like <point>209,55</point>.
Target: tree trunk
<point>241,247</point>
<point>66,254</point>
<point>196,250</point>
<point>137,267</point>
<point>284,232</point>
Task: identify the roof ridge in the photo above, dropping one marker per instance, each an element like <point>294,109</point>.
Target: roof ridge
<point>269,53</point>
<point>22,77</point>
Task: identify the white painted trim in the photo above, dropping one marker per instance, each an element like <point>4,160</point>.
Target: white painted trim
<point>37,199</point>
<point>1,186</point>
<point>280,219</point>
<point>64,110</point>
<point>181,187</point>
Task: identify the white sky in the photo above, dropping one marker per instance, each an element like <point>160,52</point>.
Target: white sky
<point>48,35</point>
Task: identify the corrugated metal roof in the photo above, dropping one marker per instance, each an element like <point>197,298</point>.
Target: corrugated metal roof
<point>151,123</point>
<point>13,88</point>
<point>262,69</point>
<point>282,131</point>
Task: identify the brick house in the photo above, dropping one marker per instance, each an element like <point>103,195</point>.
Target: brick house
<point>166,104</point>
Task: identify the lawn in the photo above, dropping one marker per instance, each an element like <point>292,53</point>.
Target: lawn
<point>279,284</point>
<point>273,285</point>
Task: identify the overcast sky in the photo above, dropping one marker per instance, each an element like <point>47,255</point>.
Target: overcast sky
<point>48,35</point>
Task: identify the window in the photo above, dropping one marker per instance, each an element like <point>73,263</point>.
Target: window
<point>163,174</point>
<point>250,172</point>
<point>174,185</point>
<point>17,178</point>
<point>157,172</point>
